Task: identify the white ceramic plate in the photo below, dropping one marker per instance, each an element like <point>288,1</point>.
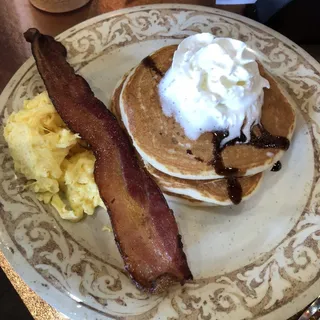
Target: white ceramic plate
<point>258,260</point>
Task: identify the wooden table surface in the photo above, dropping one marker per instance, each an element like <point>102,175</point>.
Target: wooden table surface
<point>16,17</point>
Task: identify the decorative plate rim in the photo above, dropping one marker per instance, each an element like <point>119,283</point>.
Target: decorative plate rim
<point>15,258</point>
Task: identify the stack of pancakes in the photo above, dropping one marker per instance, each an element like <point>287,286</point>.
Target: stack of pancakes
<point>183,168</point>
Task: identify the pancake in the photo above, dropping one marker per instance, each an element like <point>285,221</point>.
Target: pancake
<point>179,199</point>
<point>161,141</point>
<point>191,192</point>
<point>214,192</point>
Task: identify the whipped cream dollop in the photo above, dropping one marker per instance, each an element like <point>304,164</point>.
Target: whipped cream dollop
<point>213,84</point>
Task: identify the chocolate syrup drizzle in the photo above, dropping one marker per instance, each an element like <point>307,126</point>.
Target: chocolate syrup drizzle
<point>234,189</point>
<point>148,62</point>
<point>277,166</point>
<point>260,138</point>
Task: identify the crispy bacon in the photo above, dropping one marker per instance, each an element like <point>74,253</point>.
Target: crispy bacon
<point>145,229</point>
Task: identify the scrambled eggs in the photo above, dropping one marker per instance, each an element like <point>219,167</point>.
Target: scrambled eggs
<point>58,168</point>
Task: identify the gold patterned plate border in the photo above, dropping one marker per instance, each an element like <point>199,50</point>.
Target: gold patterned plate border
<point>81,284</point>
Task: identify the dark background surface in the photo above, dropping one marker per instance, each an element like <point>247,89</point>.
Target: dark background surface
<point>11,305</point>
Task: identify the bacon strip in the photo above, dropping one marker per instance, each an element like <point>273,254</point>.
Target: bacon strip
<point>145,229</point>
